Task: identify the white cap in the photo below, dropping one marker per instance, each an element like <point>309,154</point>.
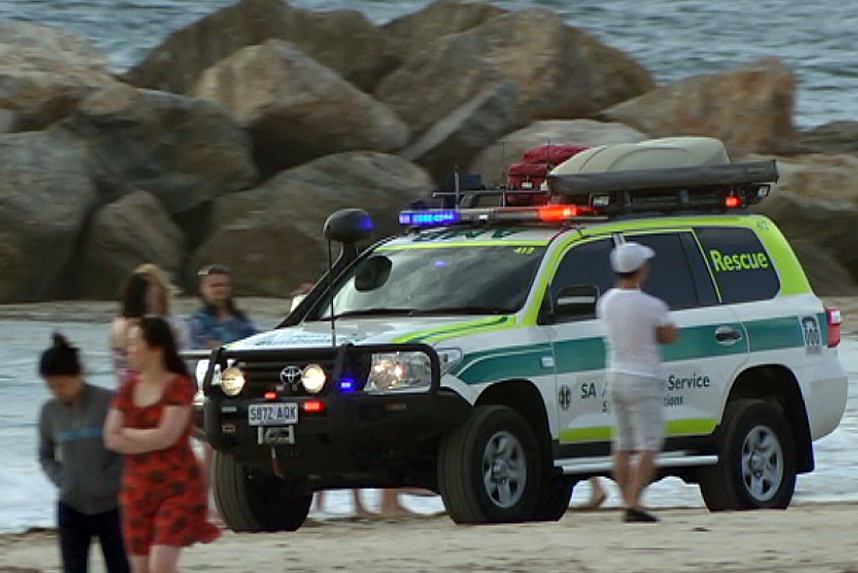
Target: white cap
<point>629,257</point>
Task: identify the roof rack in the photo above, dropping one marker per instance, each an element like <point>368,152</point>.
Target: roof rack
<point>712,187</point>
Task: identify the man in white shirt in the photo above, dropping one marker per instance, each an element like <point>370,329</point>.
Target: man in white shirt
<point>636,324</point>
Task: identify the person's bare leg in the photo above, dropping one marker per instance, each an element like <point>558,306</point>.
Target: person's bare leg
<point>139,563</point>
<point>640,476</point>
<point>598,495</point>
<point>390,505</point>
<point>164,559</point>
<point>360,510</point>
<point>319,501</point>
<point>621,473</point>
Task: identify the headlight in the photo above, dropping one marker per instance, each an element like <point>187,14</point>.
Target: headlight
<point>313,378</point>
<point>232,381</point>
<point>399,371</point>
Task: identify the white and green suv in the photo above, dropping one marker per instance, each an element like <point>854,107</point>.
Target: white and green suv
<point>464,356</point>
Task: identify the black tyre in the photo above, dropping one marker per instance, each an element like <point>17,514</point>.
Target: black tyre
<point>554,497</point>
<point>489,469</point>
<point>756,466</point>
<point>254,501</point>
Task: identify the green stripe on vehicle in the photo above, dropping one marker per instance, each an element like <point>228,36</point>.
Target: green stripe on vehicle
<point>588,354</point>
<point>687,427</point>
<point>774,333</point>
<point>462,328</point>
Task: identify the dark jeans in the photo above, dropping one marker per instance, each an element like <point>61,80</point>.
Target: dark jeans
<point>76,531</point>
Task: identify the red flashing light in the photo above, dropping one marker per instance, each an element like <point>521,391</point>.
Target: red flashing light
<point>270,395</point>
<point>555,213</point>
<point>732,202</point>
<point>834,321</point>
<point>313,406</point>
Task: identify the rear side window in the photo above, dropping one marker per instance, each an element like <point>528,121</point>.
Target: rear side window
<point>679,276</point>
<point>740,264</point>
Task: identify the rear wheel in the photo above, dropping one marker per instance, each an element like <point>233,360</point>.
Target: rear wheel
<point>489,468</point>
<point>756,466</point>
<point>254,501</point>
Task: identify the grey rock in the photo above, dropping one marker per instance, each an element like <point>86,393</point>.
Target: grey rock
<point>272,235</point>
<point>134,230</point>
<point>46,193</point>
<point>452,142</point>
<point>44,73</point>
<point>185,151</point>
<point>749,108</point>
<point>343,40</point>
<point>297,109</point>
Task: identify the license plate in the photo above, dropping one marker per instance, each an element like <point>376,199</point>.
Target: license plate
<point>272,414</point>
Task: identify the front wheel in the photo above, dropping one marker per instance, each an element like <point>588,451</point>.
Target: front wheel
<point>490,468</point>
<point>254,501</point>
<point>756,464</point>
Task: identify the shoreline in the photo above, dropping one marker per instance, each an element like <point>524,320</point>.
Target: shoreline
<point>807,537</point>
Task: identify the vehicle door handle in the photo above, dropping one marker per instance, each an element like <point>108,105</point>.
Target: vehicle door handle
<point>727,335</point>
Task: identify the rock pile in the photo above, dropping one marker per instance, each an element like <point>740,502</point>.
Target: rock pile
<point>234,139</point>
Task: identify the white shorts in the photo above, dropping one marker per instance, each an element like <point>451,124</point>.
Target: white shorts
<point>638,406</point>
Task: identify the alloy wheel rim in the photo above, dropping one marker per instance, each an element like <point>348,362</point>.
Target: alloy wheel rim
<point>504,469</point>
<point>762,463</point>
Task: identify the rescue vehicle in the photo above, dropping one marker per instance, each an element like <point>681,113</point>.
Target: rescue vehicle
<point>463,355</point>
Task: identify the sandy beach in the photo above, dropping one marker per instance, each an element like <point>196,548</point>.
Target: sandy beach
<point>814,538</point>
<point>808,537</point>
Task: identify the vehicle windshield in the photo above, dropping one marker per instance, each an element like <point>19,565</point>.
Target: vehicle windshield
<point>493,279</point>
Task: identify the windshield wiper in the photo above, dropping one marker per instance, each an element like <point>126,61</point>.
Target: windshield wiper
<point>460,310</point>
<point>381,311</point>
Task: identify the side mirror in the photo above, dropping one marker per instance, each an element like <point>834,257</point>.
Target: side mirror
<point>348,226</point>
<point>576,302</point>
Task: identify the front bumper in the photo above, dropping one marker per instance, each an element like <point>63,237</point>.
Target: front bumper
<point>352,437</point>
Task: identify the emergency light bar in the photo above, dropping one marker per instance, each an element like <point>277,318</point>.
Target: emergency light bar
<point>545,214</point>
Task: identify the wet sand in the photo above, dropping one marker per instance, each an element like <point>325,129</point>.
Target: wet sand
<point>815,538</point>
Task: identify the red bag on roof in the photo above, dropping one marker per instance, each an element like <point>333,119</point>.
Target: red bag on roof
<point>551,154</point>
<point>526,175</point>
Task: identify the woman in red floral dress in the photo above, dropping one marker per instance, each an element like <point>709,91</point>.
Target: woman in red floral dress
<point>164,501</point>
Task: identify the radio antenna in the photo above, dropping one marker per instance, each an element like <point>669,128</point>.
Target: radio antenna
<point>331,294</point>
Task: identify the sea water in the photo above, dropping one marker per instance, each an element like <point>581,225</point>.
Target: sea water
<point>28,498</point>
<point>674,39</point>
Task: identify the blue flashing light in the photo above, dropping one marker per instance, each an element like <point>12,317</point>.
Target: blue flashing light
<point>429,218</point>
<point>347,385</point>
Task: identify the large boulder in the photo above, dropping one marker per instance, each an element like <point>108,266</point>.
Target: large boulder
<point>272,236</point>
<point>414,32</point>
<point>493,162</point>
<point>831,138</point>
<point>297,109</point>
<point>453,141</point>
<point>46,193</point>
<point>749,108</point>
<point>134,230</point>
<point>185,151</point>
<point>816,201</point>
<point>561,72</point>
<point>343,40</point>
<point>827,276</point>
<point>44,73</point>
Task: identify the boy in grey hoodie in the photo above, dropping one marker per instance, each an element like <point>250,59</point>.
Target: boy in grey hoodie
<point>72,454</point>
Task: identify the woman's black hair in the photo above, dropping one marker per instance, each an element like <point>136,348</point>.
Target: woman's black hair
<point>158,334</point>
<point>134,295</point>
<point>61,359</point>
